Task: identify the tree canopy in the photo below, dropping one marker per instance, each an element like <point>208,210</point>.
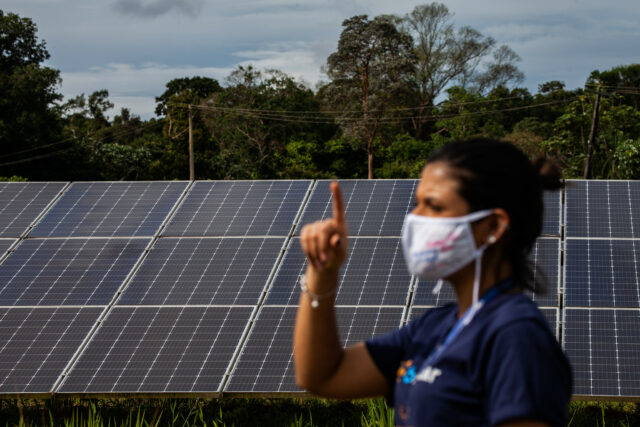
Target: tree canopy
<point>397,88</point>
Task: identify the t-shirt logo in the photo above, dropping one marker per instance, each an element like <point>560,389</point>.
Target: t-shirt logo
<point>406,372</point>
<point>428,374</point>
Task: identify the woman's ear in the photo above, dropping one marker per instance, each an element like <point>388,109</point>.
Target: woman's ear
<point>498,224</point>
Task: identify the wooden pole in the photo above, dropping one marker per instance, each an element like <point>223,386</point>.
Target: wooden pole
<point>592,135</point>
<point>191,165</point>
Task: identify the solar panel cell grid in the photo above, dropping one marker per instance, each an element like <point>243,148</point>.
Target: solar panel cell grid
<point>36,344</point>
<point>603,347</point>
<point>239,208</point>
<point>67,271</point>
<point>603,209</point>
<point>602,273</point>
<point>373,274</point>
<point>204,271</point>
<point>552,213</point>
<point>266,361</point>
<point>22,202</point>
<point>545,259</point>
<point>372,208</point>
<point>159,350</point>
<point>109,209</point>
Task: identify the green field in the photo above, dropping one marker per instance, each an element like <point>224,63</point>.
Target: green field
<point>251,412</point>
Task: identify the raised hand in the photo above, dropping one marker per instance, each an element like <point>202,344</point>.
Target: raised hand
<point>325,242</point>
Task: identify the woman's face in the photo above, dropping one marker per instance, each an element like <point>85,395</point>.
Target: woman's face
<point>437,193</point>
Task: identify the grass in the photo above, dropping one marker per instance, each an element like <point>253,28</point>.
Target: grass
<point>251,412</point>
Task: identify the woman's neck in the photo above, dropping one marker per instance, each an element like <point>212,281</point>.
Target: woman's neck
<point>463,279</point>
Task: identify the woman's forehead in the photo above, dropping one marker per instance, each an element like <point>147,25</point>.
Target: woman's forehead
<point>437,178</point>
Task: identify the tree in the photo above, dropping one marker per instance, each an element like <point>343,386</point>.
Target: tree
<point>201,87</point>
<point>368,72</point>
<point>28,113</point>
<point>623,79</point>
<point>255,118</point>
<point>448,56</point>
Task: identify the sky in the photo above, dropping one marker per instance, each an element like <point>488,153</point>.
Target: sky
<point>133,48</point>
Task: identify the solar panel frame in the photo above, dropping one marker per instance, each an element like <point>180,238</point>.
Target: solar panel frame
<point>298,189</point>
<point>147,286</point>
<point>18,216</point>
<point>43,340</point>
<point>280,363</point>
<point>71,271</point>
<point>617,269</point>
<point>597,351</point>
<point>5,247</point>
<point>319,205</point>
<point>82,375</point>
<point>359,282</point>
<point>84,210</point>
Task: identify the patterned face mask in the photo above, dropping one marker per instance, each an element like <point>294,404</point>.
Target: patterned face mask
<point>436,247</point>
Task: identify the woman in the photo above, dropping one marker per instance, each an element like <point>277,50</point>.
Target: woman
<point>488,360</point>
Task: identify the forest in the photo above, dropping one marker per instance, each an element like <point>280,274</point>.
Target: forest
<point>396,88</point>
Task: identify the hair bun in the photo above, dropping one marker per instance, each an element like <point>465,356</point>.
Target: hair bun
<point>549,173</point>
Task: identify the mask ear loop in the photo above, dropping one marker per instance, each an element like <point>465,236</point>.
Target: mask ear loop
<point>475,305</point>
<point>437,287</point>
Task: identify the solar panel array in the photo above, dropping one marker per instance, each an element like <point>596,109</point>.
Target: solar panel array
<point>149,288</point>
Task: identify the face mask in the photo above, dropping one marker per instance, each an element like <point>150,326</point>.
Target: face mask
<point>434,247</point>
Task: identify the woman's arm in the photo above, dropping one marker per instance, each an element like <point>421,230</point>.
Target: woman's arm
<point>322,365</point>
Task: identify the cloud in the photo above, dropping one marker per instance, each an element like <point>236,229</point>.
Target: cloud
<point>153,8</point>
<point>134,87</point>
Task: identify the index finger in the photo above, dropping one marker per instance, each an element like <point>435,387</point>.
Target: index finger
<point>338,204</point>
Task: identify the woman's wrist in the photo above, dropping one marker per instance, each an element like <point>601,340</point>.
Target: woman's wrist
<point>321,282</point>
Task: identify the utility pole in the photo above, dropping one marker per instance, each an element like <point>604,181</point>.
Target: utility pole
<point>592,135</point>
<point>191,166</point>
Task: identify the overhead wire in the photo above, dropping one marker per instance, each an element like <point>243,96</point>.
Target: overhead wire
<point>320,118</point>
<point>71,139</point>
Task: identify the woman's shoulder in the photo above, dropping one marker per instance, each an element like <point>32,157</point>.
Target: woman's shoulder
<point>518,310</point>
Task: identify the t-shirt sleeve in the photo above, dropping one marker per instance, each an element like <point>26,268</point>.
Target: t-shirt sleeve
<point>388,350</point>
<point>527,376</point>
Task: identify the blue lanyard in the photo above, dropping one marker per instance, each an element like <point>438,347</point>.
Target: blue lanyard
<point>466,319</point>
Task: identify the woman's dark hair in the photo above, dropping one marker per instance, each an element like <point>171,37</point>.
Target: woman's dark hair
<point>495,174</point>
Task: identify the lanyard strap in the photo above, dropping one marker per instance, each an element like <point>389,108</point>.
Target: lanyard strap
<point>466,319</point>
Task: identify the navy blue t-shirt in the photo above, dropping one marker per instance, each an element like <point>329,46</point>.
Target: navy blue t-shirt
<point>506,364</point>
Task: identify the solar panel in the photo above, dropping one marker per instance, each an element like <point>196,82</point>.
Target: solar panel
<point>372,207</point>
<point>67,271</point>
<point>110,209</point>
<point>204,271</point>
<point>373,274</point>
<point>159,350</point>
<point>239,208</point>
<point>22,202</point>
<point>603,209</point>
<point>38,343</point>
<point>545,259</point>
<point>552,213</point>
<point>265,364</point>
<point>550,314</point>
<point>603,347</point>
<point>602,273</point>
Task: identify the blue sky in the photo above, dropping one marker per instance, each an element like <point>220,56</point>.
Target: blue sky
<point>133,48</point>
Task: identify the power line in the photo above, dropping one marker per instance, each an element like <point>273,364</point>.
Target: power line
<point>283,116</point>
<point>71,139</point>
<point>334,112</point>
